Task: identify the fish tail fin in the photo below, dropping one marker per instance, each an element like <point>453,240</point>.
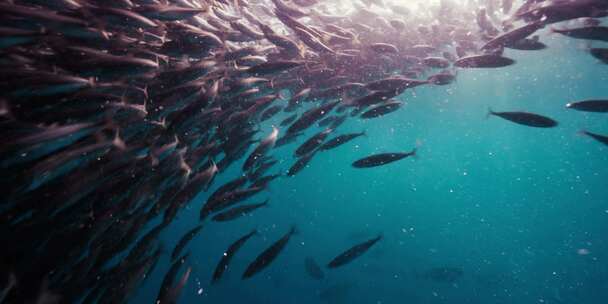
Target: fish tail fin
<point>364,133</point>
<point>265,203</point>
<point>553,30</point>
<point>582,132</point>
<point>489,113</point>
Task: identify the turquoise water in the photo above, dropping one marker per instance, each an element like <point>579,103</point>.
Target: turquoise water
<point>522,211</point>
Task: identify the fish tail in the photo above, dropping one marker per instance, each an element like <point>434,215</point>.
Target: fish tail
<point>489,113</point>
<point>582,132</point>
<point>554,30</point>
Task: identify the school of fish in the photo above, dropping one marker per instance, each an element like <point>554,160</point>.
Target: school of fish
<point>116,114</point>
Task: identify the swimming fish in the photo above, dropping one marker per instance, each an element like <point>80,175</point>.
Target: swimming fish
<point>592,105</point>
<point>266,257</point>
<point>353,253</point>
<point>381,159</point>
<point>237,212</point>
<point>224,262</point>
<point>340,140</point>
<point>526,119</point>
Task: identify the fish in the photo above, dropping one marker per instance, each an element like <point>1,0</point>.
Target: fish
<point>273,67</point>
<point>228,187</point>
<point>120,117</point>
<point>266,257</point>
<point>600,53</point>
<point>353,253</point>
<point>167,282</point>
<point>287,121</point>
<point>313,269</point>
<point>528,44</point>
<point>598,33</point>
<point>270,112</point>
<point>600,138</point>
<point>483,61</point>
<point>436,62</point>
<point>592,105</point>
<point>265,145</point>
<point>312,143</point>
<point>340,140</point>
<point>310,117</point>
<point>382,109</point>
<point>443,78</point>
<point>226,200</point>
<point>227,256</point>
<point>514,36</point>
<point>300,164</point>
<point>381,159</point>
<point>237,212</point>
<point>384,48</point>
<point>526,119</point>
<point>186,238</point>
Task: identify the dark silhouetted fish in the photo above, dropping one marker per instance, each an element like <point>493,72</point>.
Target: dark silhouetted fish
<point>483,61</point>
<point>312,143</point>
<point>600,53</point>
<point>167,283</point>
<point>381,159</point>
<point>528,44</point>
<point>593,105</point>
<point>300,164</point>
<point>237,212</point>
<point>261,149</point>
<point>512,37</point>
<point>443,78</point>
<point>288,120</point>
<point>340,140</point>
<point>599,33</point>
<point>382,109</point>
<point>436,62</point>
<point>313,269</point>
<point>270,112</point>
<point>601,138</point>
<point>224,262</point>
<point>186,238</point>
<point>311,116</point>
<point>268,256</point>
<point>353,253</point>
<point>272,67</point>
<point>526,119</point>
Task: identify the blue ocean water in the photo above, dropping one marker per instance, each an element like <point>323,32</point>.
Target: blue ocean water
<point>523,212</point>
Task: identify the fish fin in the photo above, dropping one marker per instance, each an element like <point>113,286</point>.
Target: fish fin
<point>414,153</point>
<point>294,229</point>
<point>582,132</point>
<point>489,113</point>
<point>553,30</point>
